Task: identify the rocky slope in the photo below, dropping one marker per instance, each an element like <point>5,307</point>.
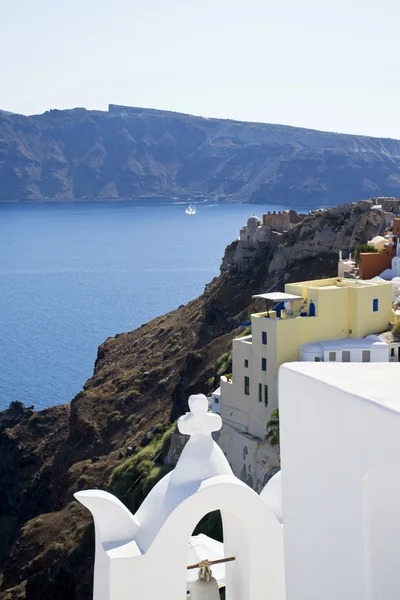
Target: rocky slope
<point>132,152</point>
<point>140,384</point>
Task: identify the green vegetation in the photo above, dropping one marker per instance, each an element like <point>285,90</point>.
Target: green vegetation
<point>210,382</point>
<point>273,428</point>
<point>363,248</point>
<point>135,477</point>
<point>246,331</point>
<point>85,482</point>
<point>116,417</point>
<point>396,332</point>
<point>224,363</point>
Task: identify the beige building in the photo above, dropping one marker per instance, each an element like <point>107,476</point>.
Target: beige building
<point>282,220</point>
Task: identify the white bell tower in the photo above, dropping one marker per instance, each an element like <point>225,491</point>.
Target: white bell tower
<point>145,555</point>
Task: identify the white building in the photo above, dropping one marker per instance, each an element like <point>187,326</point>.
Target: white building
<point>369,349</point>
<point>340,448</point>
<point>378,242</point>
<point>393,239</point>
<point>216,401</point>
<point>146,555</point>
<point>345,265</point>
<point>253,232</point>
<point>326,528</point>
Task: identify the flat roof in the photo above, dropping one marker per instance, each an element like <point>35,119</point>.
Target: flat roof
<point>375,382</point>
<point>344,343</point>
<point>278,296</point>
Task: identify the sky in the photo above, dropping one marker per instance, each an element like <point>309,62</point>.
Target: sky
<point>324,64</point>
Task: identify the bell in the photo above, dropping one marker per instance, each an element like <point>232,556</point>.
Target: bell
<point>206,586</point>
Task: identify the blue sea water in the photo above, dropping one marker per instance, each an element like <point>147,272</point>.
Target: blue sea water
<point>73,274</point>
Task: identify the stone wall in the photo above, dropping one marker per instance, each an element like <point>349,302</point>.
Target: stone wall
<point>252,460</point>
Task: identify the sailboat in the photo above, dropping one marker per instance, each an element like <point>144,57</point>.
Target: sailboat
<point>190,210</point>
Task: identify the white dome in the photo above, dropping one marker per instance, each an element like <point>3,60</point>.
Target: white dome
<point>253,222</point>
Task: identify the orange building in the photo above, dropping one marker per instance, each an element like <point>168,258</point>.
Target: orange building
<point>372,264</point>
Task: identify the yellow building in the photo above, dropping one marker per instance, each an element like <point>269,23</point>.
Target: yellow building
<point>324,309</point>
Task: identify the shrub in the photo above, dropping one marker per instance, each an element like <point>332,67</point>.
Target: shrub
<point>224,363</point>
<point>210,382</point>
<point>85,482</point>
<point>116,417</point>
<point>396,332</point>
<point>246,331</point>
<point>363,248</point>
<point>134,478</point>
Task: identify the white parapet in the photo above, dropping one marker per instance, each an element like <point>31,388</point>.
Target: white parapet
<point>340,456</point>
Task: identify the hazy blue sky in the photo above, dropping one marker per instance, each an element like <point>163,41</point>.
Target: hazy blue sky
<point>326,64</point>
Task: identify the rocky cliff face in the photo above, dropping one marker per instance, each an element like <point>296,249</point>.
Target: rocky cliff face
<point>131,152</point>
<point>140,384</point>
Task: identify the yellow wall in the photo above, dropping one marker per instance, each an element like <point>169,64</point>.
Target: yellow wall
<point>342,310</point>
<point>348,304</point>
<point>364,321</point>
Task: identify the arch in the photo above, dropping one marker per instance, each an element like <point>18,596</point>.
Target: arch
<point>312,309</point>
<point>252,534</point>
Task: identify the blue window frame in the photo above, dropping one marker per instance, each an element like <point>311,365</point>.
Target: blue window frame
<point>375,305</point>
<point>264,338</point>
<point>264,364</point>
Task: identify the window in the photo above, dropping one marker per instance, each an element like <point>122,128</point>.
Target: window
<point>264,338</point>
<point>392,352</point>
<point>317,359</point>
<point>264,364</point>
<point>366,356</point>
<point>332,356</point>
<point>247,386</point>
<point>346,356</point>
<point>260,392</point>
<point>216,400</point>
<point>246,363</point>
<point>266,395</point>
<point>375,305</point>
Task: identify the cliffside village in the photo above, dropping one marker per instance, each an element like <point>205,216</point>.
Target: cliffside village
<point>348,318</point>
<point>324,526</point>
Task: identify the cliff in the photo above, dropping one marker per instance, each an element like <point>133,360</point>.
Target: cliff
<point>115,432</point>
<point>132,152</point>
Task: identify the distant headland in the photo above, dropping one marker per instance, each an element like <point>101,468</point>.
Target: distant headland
<point>129,153</point>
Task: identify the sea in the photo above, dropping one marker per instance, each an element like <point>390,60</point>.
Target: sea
<point>73,274</point>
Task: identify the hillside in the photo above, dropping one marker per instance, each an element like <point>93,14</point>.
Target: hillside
<point>113,430</point>
<point>131,153</point>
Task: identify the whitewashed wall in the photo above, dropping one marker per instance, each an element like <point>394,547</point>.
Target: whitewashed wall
<point>340,453</point>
